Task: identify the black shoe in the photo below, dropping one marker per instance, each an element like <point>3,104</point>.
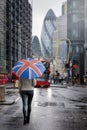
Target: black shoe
<point>25,121</point>
<point>28,119</point>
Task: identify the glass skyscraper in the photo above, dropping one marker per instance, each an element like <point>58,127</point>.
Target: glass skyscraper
<point>36,48</point>
<point>49,25</point>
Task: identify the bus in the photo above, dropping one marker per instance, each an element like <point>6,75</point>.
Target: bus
<point>43,81</point>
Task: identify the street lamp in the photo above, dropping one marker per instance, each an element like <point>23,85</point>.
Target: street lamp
<point>68,62</point>
<point>69,49</point>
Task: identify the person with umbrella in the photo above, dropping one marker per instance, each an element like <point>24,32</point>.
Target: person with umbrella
<point>26,91</point>
<point>27,70</point>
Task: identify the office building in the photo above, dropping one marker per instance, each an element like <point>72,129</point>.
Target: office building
<point>18,31</point>
<point>46,34</point>
<point>75,32</point>
<point>85,45</point>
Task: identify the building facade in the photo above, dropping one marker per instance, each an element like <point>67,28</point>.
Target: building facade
<point>46,34</point>
<point>75,32</point>
<point>64,8</point>
<point>85,46</point>
<point>2,35</point>
<point>18,28</point>
<point>59,39</point>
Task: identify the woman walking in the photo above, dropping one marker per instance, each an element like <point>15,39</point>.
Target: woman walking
<point>26,92</point>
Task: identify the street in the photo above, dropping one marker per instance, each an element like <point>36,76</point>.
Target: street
<point>53,108</point>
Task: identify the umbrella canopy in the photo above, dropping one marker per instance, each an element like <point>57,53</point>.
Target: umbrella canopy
<point>29,68</point>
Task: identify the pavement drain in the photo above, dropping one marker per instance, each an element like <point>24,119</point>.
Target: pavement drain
<point>48,104</point>
<point>81,106</point>
<point>55,96</point>
<point>84,99</point>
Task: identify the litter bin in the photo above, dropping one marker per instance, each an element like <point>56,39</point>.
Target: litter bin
<point>2,93</point>
<point>16,83</point>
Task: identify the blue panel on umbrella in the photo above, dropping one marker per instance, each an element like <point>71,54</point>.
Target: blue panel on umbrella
<point>41,68</point>
<point>25,74</point>
<point>16,69</point>
<point>34,75</point>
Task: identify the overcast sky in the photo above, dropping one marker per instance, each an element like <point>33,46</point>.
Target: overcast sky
<point>40,9</point>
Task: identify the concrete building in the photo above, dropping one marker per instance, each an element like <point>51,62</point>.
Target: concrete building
<point>64,8</point>
<point>59,38</point>
<point>18,31</point>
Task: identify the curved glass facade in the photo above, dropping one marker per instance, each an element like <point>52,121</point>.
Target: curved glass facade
<point>49,25</point>
<point>36,46</point>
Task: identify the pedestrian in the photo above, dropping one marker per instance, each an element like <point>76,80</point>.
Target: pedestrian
<point>26,90</point>
<point>13,78</point>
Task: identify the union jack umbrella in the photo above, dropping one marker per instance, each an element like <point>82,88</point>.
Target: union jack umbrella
<point>29,68</point>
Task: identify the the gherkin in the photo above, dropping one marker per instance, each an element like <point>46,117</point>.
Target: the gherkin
<point>49,25</point>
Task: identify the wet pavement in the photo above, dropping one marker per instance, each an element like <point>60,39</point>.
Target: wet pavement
<point>11,94</point>
<point>54,108</point>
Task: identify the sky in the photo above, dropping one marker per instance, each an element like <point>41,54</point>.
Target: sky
<point>40,9</point>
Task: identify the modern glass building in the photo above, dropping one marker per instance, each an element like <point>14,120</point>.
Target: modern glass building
<point>46,34</point>
<point>17,24</point>
<point>75,32</point>
<point>36,48</point>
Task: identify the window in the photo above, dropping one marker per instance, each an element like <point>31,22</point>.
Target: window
<point>74,18</point>
<point>77,49</point>
<point>75,33</point>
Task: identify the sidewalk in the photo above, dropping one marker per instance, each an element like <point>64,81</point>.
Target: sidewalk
<point>11,95</point>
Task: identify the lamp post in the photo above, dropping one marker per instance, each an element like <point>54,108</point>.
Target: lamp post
<point>68,64</point>
<point>69,47</point>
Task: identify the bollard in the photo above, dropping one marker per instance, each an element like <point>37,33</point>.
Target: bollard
<point>2,93</point>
